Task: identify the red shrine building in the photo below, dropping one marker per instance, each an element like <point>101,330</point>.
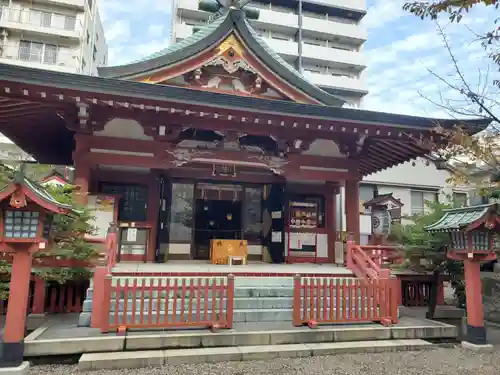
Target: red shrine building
<point>214,137</point>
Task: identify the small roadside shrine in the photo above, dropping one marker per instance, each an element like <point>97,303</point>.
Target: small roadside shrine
<point>473,233</point>
<point>26,215</point>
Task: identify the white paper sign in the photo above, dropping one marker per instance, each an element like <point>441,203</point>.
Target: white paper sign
<point>276,215</point>
<point>295,242</point>
<point>276,237</point>
<point>131,234</point>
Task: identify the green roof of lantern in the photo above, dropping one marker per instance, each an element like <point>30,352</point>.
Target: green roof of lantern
<point>19,177</point>
<point>211,35</point>
<point>460,218</point>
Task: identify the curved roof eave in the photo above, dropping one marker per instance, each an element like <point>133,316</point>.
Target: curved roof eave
<point>208,36</point>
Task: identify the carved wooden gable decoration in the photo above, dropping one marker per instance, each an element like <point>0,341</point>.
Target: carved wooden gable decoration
<point>229,68</point>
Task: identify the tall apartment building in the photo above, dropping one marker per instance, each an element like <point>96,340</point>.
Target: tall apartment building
<point>61,35</point>
<point>323,39</point>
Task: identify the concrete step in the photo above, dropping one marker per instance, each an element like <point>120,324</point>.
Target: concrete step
<point>158,358</point>
<point>239,316</point>
<point>242,291</point>
<point>239,303</point>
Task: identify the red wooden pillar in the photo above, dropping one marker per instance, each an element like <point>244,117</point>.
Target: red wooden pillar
<point>39,297</point>
<point>330,220</point>
<point>476,332</point>
<point>82,179</point>
<point>15,322</point>
<point>152,215</point>
<point>352,208</point>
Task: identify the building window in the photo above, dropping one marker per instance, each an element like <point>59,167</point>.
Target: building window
<point>133,200</point>
<point>84,65</point>
<point>69,22</point>
<point>181,213</point>
<point>50,54</point>
<point>88,38</point>
<point>38,52</point>
<point>459,199</point>
<point>30,51</point>
<point>417,202</point>
<point>366,193</point>
<point>419,199</point>
<point>94,53</point>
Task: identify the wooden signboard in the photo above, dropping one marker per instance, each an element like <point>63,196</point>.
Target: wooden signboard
<point>104,209</point>
<point>221,250</point>
<point>224,170</point>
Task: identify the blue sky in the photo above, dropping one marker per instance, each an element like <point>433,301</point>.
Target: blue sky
<point>400,49</point>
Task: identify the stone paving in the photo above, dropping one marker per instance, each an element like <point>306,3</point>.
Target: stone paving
<point>441,361</point>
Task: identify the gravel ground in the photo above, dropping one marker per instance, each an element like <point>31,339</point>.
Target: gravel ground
<point>450,361</point>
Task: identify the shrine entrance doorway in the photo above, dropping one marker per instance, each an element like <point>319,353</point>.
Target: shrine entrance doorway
<point>218,214</point>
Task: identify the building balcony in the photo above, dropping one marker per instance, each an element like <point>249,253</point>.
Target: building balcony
<point>356,5</point>
<point>189,9</point>
<point>78,4</point>
<point>333,57</point>
<point>352,86</point>
<point>322,28</point>
<point>42,58</point>
<point>276,21</point>
<point>286,48</point>
<point>43,23</point>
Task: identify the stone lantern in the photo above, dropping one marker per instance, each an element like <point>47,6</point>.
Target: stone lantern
<point>26,214</point>
<point>473,235</point>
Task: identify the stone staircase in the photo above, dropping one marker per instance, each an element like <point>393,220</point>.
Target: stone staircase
<point>257,299</point>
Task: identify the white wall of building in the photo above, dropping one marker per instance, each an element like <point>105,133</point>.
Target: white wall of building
<point>413,183</point>
<point>58,35</point>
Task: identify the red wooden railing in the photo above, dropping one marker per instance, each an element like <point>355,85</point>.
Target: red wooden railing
<point>329,301</point>
<point>362,264</point>
<point>53,297</point>
<point>163,303</point>
<point>368,261</point>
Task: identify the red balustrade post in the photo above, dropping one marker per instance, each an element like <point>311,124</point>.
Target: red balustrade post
<point>106,306</point>
<point>98,298</point>
<point>297,284</point>
<point>395,299</point>
<point>230,301</point>
<point>349,261</point>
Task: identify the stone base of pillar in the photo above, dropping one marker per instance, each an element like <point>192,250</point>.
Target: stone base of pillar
<point>484,348</point>
<point>476,335</point>
<point>11,354</point>
<point>22,369</point>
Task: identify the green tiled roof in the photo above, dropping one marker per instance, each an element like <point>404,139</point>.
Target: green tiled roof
<point>459,218</point>
<point>39,190</point>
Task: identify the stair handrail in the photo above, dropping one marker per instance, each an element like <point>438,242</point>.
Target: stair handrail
<point>362,264</point>
<point>111,248</point>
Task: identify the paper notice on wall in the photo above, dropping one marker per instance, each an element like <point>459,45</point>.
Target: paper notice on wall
<point>308,239</point>
<point>295,241</point>
<point>131,234</point>
<point>276,237</point>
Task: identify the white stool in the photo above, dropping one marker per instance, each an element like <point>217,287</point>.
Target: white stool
<point>240,258</point>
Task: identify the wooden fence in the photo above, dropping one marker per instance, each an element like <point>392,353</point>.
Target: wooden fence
<point>53,297</point>
<point>163,303</point>
<point>329,301</point>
